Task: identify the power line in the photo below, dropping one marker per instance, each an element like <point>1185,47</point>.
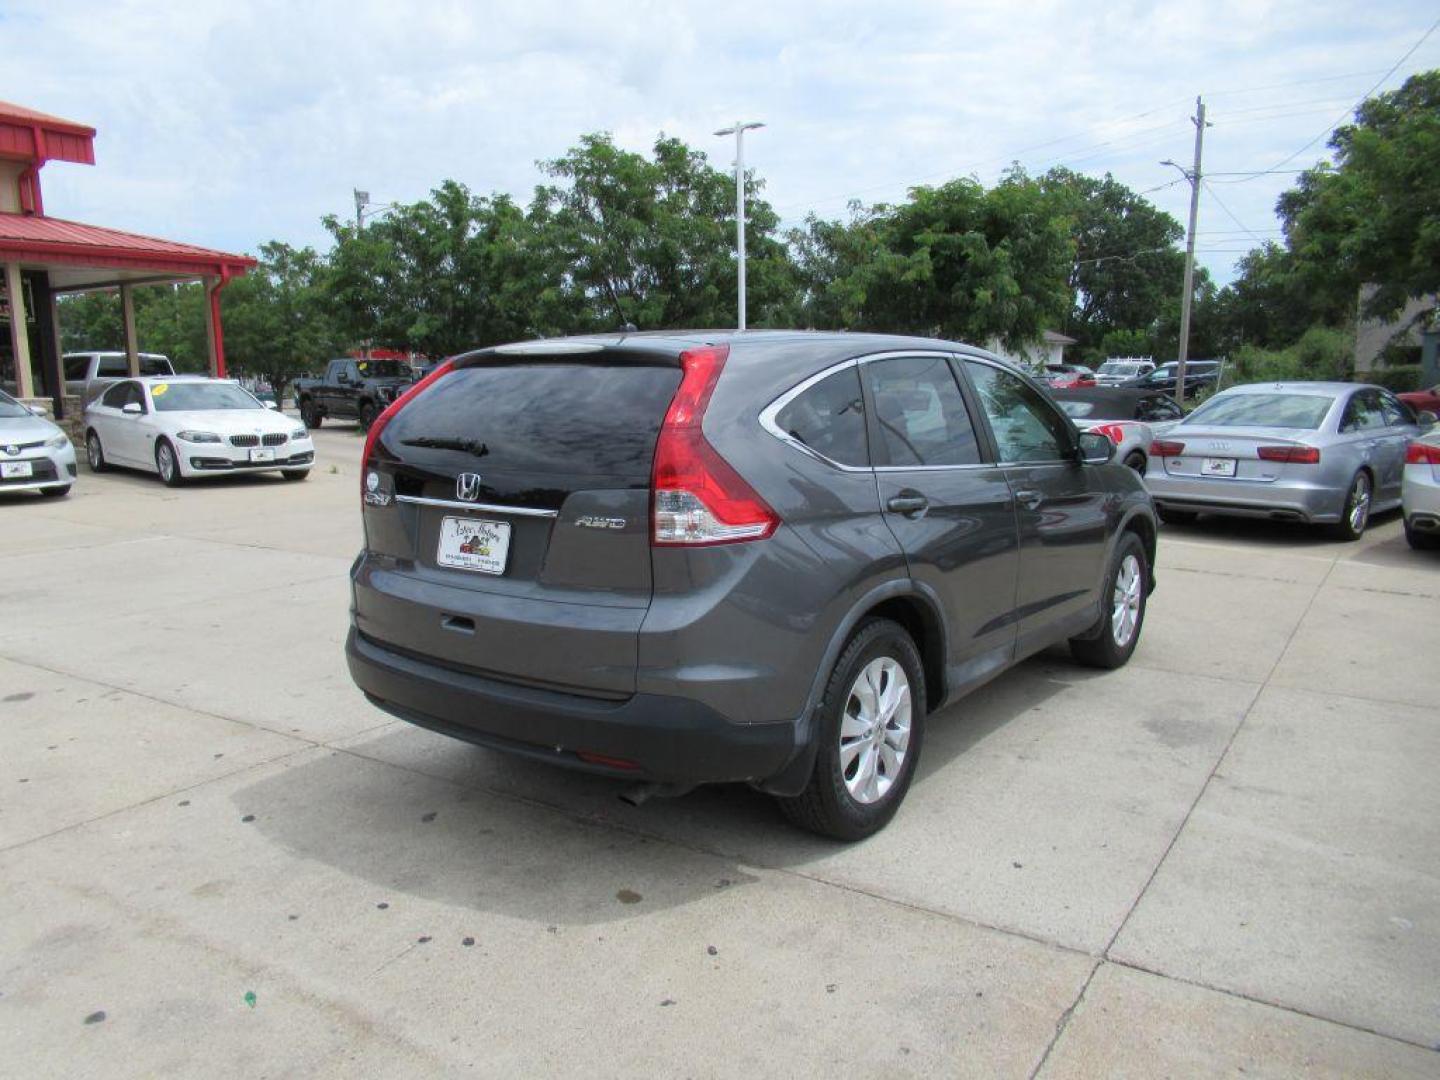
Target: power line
<point>1341,119</point>
<point>1220,203</point>
<point>1288,85</point>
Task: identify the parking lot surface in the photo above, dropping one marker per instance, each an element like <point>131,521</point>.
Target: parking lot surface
<point>217,858</point>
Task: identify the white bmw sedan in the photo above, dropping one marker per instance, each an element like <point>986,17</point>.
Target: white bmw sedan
<point>180,427</point>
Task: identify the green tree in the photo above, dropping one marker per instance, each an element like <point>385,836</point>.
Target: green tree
<point>169,319</point>
<point>626,238</point>
<point>277,318</point>
<point>1127,269</point>
<point>1373,217</point>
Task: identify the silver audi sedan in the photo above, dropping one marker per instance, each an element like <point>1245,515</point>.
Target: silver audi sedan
<point>1321,453</point>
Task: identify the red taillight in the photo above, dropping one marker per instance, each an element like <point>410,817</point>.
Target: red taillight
<point>1166,448</point>
<point>605,760</point>
<point>1114,432</point>
<point>1294,455</point>
<point>1418,453</point>
<point>378,424</point>
<point>697,497</point>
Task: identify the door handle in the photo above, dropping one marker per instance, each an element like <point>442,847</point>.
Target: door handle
<point>1029,498</point>
<point>908,503</point>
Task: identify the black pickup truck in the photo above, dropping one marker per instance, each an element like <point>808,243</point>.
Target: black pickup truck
<point>352,390</point>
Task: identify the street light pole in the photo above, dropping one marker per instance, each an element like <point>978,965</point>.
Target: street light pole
<point>1193,175</point>
<point>738,130</point>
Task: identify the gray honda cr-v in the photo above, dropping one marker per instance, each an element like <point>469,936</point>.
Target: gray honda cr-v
<point>765,557</point>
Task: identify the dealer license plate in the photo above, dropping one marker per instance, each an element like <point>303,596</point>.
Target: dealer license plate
<point>471,544</point>
<point>10,470</point>
<point>1217,466</point>
<point>262,453</point>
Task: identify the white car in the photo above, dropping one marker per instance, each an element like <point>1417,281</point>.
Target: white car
<point>35,455</point>
<point>181,427</point>
<point>1420,492</point>
<point>1115,372</point>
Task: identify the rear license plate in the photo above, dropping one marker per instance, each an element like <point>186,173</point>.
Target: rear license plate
<point>472,544</point>
<point>10,470</point>
<point>262,453</point>
<point>1217,466</point>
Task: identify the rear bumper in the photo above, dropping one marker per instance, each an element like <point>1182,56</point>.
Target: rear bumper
<point>1420,497</point>
<point>670,740</point>
<point>1242,498</point>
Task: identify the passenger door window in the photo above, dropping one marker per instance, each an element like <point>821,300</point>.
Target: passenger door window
<point>1026,428</point>
<point>829,418</point>
<point>920,415</point>
<point>1397,413</point>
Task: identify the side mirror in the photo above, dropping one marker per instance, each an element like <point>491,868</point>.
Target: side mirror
<point>132,408</point>
<point>1425,418</point>
<point>270,404</point>
<point>38,410</point>
<point>1095,449</point>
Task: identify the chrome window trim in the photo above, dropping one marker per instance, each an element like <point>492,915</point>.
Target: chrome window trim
<point>489,508</point>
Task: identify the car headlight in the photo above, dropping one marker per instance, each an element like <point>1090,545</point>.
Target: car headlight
<point>58,442</point>
<point>198,436</point>
<point>299,433</point>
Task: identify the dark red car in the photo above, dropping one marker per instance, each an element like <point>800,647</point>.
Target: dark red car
<point>1423,400</point>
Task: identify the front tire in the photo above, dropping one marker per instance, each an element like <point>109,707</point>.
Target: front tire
<point>94,452</point>
<point>870,724</point>
<point>1112,642</point>
<point>167,464</point>
<point>367,415</point>
<point>1355,511</point>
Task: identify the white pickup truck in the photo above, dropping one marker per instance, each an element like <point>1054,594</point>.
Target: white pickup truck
<point>88,373</point>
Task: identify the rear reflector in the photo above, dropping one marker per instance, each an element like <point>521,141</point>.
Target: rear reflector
<point>602,759</point>
<point>378,424</point>
<point>1418,453</point>
<point>1294,455</point>
<point>1166,448</point>
<point>697,497</point>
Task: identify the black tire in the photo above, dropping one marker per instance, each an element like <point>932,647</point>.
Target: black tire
<point>366,415</point>
<point>826,806</point>
<point>1101,647</point>
<point>55,493</point>
<point>170,477</point>
<point>94,452</point>
<point>1136,460</point>
<point>1176,517</point>
<point>1351,525</point>
<point>294,474</point>
<point>310,413</point>
<point>1421,540</point>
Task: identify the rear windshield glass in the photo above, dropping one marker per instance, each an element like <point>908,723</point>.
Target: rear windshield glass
<point>197,397</point>
<point>551,419</point>
<point>1299,411</point>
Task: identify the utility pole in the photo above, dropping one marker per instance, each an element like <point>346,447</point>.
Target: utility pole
<point>738,130</point>
<point>1193,175</point>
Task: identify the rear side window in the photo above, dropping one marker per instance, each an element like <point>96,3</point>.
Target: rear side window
<point>116,396</point>
<point>111,366</point>
<point>76,366</point>
<point>1363,413</point>
<point>919,413</point>
<point>829,418</point>
<point>545,420</point>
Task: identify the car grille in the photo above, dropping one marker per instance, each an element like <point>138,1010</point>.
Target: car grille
<point>244,440</point>
<point>274,439</point>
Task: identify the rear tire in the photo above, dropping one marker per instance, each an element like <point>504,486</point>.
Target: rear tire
<point>55,492</point>
<point>310,413</point>
<point>1355,510</point>
<point>1176,517</point>
<point>94,452</point>
<point>1136,461</point>
<point>1124,602</point>
<point>167,464</point>
<point>870,724</point>
<point>1421,541</point>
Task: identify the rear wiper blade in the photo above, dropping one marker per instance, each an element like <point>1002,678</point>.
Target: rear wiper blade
<point>467,446</point>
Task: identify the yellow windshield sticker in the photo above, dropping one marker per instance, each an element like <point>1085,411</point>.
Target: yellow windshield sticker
<point>158,389</point>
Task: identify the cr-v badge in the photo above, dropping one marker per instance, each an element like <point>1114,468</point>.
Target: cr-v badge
<point>467,486</point>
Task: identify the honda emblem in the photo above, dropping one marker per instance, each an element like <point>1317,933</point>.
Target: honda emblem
<point>467,486</point>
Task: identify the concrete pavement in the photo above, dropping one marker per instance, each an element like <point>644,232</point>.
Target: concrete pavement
<point>1222,858</point>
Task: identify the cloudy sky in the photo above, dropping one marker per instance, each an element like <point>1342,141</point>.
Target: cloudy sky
<point>231,124</point>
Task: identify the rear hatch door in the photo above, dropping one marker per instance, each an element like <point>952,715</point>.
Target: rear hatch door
<point>517,540</point>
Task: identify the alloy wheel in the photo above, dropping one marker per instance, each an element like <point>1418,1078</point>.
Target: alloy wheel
<point>1125,609</point>
<point>1360,503</point>
<point>92,450</point>
<point>166,459</point>
<point>875,730</point>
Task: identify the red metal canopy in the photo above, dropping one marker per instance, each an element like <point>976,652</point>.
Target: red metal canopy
<point>32,238</point>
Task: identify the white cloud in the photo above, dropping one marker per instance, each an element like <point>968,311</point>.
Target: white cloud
<point>230,124</point>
